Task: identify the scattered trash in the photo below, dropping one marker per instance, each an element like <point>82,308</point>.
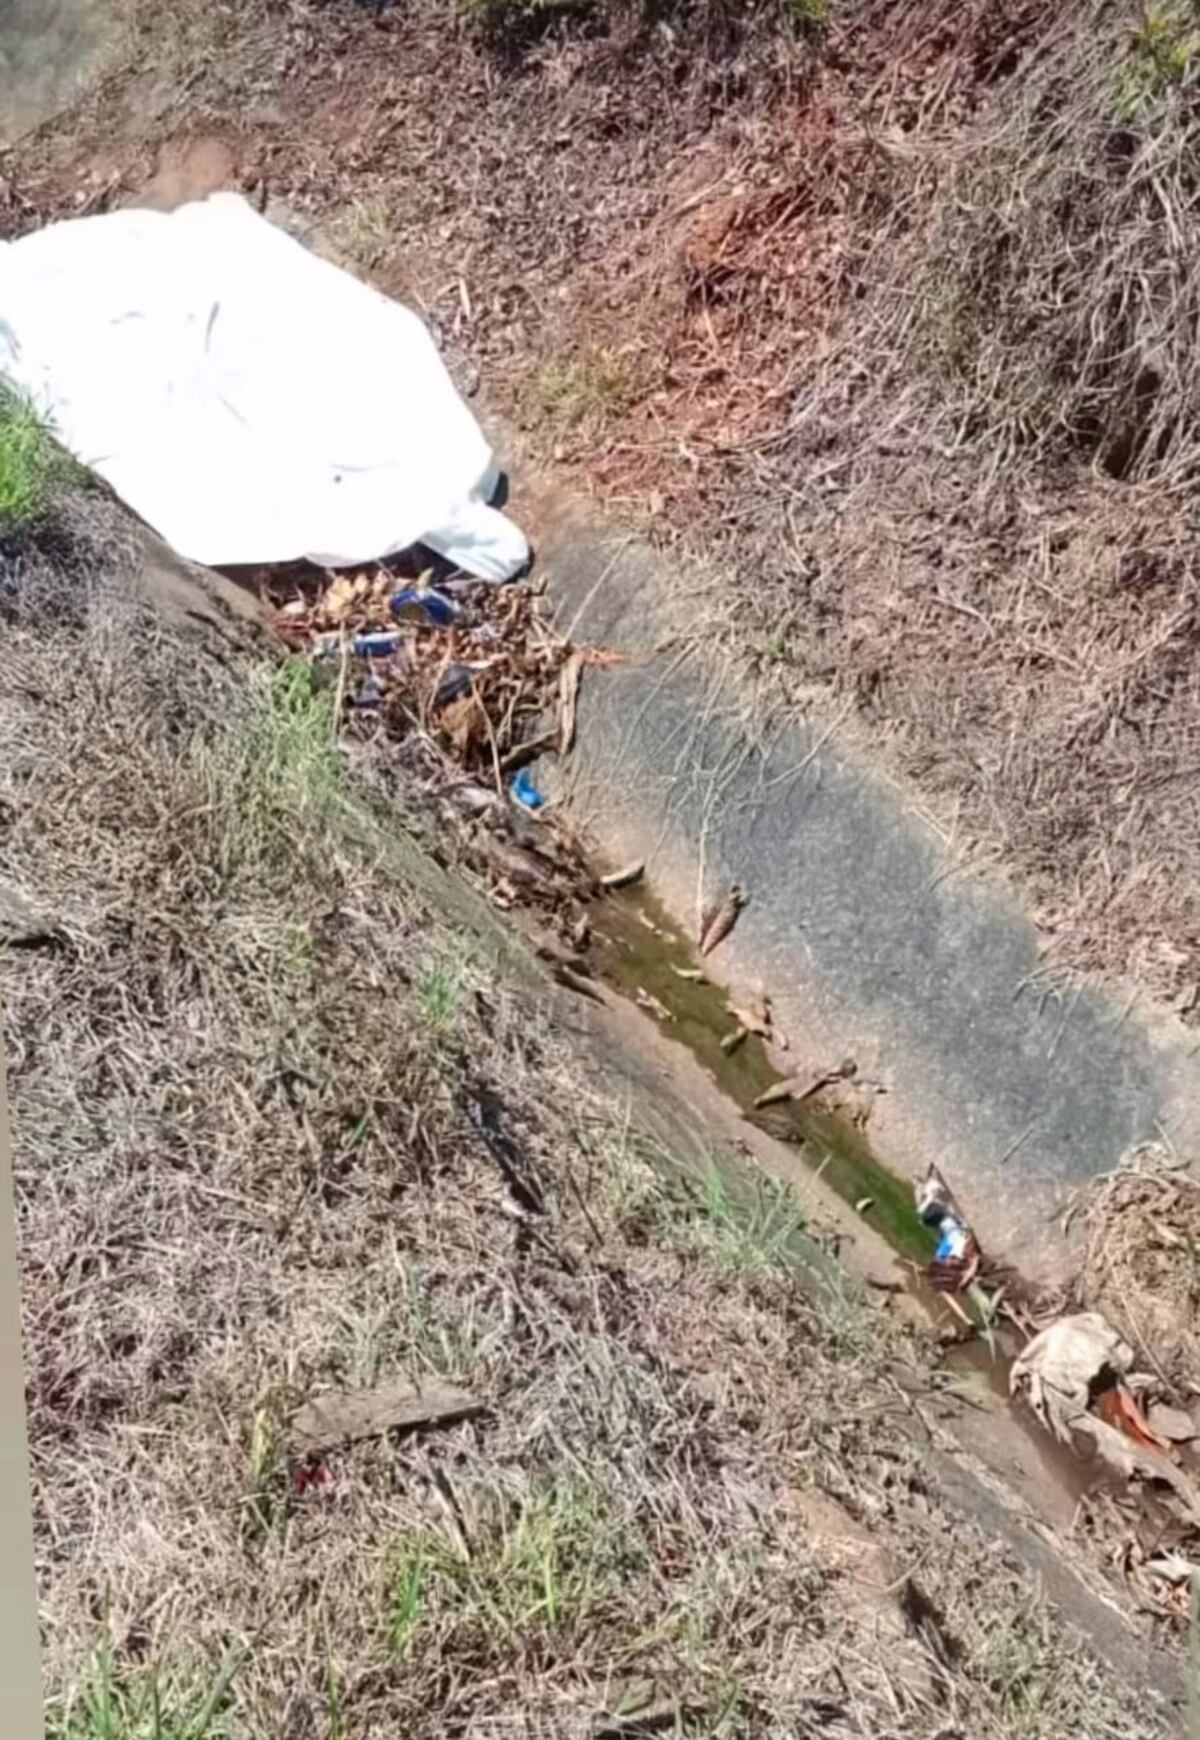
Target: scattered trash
<point>1077,1377</point>
<point>455,682</point>
<point>803,1087</point>
<point>345,1415</point>
<point>375,646</point>
<point>956,1258</point>
<point>423,604</point>
<point>248,399</point>
<point>363,646</point>
<point>526,793</point>
<point>623,878</point>
<point>719,920</point>
<point>692,974</point>
<point>863,1204</point>
<point>654,1005</point>
<point>732,1040</point>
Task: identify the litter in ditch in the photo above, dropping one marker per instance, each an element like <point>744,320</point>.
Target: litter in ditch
<point>471,687</point>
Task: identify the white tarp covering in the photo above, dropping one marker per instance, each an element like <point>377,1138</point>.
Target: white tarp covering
<point>249,400</point>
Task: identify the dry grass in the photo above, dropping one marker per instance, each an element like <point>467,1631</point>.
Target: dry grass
<point>919,346</point>
<point>248,1167</point>
<point>1140,1263</point>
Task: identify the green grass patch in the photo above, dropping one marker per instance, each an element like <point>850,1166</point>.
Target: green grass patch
<point>275,779</point>
<point>544,1565</point>
<point>807,17</point>
<point>146,1704</point>
<point>1161,60</point>
<point>439,989</point>
<point>585,389</point>
<point>750,1227</point>
<point>33,467</point>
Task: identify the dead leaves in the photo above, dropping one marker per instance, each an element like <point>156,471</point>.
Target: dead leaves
<point>463,724</point>
<point>718,920</point>
<point>625,876</point>
<point>1076,1375</point>
<point>568,697</point>
<point>803,1087</point>
<point>753,1017</point>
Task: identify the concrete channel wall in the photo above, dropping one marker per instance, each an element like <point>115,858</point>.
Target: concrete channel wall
<point>49,50</point>
<point>868,935</point>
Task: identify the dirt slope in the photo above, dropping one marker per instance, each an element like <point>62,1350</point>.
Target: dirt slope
<point>290,1118</point>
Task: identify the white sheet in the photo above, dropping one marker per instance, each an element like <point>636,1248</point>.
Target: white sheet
<point>251,401</point>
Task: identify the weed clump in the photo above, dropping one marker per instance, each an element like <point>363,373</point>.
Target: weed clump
<point>33,468</point>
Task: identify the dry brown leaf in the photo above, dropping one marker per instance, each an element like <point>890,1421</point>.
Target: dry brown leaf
<point>801,1087</point>
<point>754,1016</point>
<point>568,696</point>
<point>463,722</point>
<point>340,598</point>
<point>624,876</point>
<point>1171,1423</point>
<point>717,927</point>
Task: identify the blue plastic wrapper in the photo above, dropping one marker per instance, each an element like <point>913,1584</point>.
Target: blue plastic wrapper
<point>424,604</point>
<point>525,792</point>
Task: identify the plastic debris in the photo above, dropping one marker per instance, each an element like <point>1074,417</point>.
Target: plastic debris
<point>248,399</point>
<point>525,792</point>
<point>455,682</point>
<point>468,707</point>
<point>424,604</point>
<point>376,646</point>
<point>364,646</point>
<point>956,1257</point>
